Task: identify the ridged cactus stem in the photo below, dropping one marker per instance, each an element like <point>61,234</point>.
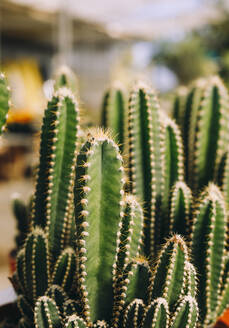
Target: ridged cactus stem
<point>65,269</point>
<point>98,195</point>
<point>36,264</point>
<point>146,170</point>
<point>134,283</point>
<point>56,170</point>
<point>179,103</point>
<point>180,209</point>
<point>113,112</point>
<point>65,77</point>
<point>170,277</point>
<point>46,314</point>
<point>210,135</point>
<point>129,235</point>
<point>208,249</point>
<point>186,314</point>
<point>190,122</point>
<point>133,314</point>
<point>173,169</point>
<point>156,314</point>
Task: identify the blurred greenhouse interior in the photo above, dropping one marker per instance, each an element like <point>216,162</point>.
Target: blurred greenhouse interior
<point>169,43</point>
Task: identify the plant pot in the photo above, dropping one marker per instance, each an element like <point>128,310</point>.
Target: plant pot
<point>223,321</point>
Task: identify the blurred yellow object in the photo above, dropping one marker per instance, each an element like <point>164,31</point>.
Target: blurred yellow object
<point>26,83</point>
<point>21,117</point>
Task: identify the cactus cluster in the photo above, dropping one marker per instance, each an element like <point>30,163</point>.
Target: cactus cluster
<point>104,246</point>
<point>176,168</point>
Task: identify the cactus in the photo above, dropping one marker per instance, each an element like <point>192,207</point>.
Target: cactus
<point>179,104</point>
<point>133,314</point>
<point>75,322</point>
<point>51,203</point>
<point>186,314</point>
<point>156,314</point>
<point>208,248</point>
<point>146,171</point>
<point>180,209</point>
<point>93,256</point>
<point>36,264</point>
<point>173,169</point>
<point>130,237</point>
<point>98,193</point>
<point>46,314</point>
<point>171,275</point>
<point>206,137</point>
<point>65,77</point>
<point>113,113</point>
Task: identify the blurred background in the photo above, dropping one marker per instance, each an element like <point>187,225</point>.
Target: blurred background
<point>167,42</point>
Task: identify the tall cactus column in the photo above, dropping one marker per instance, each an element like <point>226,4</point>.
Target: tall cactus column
<point>98,195</point>
<point>113,113</point>
<point>146,159</point>
<point>54,187</point>
<point>208,248</point>
<point>207,134</point>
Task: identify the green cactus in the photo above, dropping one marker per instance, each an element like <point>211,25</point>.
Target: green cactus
<point>171,274</point>
<point>146,171</point>
<point>25,309</point>
<point>173,169</point>
<point>209,236</point>
<point>60,297</point>
<point>156,314</point>
<point>90,258</point>
<point>188,127</point>
<point>186,314</point>
<point>98,193</point>
<point>65,77</point>
<point>46,314</point>
<point>75,322</point>
<point>180,209</point>
<point>130,235</point>
<point>36,264</point>
<point>133,314</point>
<point>113,113</point>
<point>54,187</point>
<point>206,133</point>
<point>179,104</point>
<point>64,269</point>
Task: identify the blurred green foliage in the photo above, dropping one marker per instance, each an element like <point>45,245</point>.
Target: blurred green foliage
<point>187,59</point>
<point>203,52</point>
